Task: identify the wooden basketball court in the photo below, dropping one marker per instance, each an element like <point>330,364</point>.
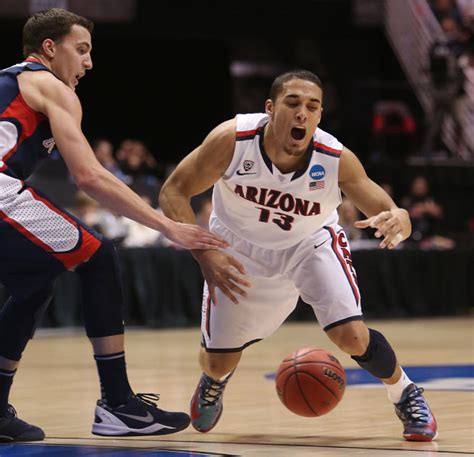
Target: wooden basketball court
<point>56,387</point>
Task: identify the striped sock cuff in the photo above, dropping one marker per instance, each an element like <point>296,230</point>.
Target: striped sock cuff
<point>8,373</point>
<point>116,355</point>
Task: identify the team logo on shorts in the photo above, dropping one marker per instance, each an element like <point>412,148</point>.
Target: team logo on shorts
<point>248,164</point>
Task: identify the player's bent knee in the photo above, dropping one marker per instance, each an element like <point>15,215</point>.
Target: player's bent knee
<point>352,337</point>
<point>102,293</point>
<point>105,256</point>
<point>352,344</point>
<point>379,359</point>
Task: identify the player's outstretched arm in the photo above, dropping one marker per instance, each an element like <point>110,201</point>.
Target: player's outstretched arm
<point>46,94</point>
<point>196,173</point>
<point>391,222</point>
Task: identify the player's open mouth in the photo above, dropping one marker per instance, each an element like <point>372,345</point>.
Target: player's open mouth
<point>298,133</point>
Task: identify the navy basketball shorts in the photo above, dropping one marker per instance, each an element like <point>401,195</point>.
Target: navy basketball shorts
<point>37,238</point>
<point>319,269</point>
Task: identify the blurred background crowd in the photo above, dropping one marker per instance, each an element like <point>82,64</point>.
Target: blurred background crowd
<point>398,85</point>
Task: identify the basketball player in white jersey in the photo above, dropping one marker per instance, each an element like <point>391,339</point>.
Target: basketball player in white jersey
<point>278,180</point>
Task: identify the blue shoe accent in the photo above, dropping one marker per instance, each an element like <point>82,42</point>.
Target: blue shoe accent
<point>418,420</point>
<point>206,404</point>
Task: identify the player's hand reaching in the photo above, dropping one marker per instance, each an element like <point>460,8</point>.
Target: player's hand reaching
<point>192,236</point>
<point>223,271</point>
<point>394,226</point>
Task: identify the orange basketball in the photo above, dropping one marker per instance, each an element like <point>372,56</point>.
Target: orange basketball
<point>310,382</point>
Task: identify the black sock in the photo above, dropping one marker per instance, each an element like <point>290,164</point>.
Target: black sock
<point>114,386</point>
<point>6,380</point>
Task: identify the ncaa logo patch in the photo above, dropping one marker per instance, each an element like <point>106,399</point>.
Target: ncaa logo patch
<point>317,172</point>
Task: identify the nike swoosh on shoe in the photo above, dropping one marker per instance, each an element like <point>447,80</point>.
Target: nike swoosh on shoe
<point>147,419</point>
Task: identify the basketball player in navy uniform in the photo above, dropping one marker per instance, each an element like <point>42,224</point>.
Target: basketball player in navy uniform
<point>277,184</point>
<point>39,111</point>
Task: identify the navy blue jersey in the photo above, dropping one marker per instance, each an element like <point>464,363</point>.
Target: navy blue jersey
<point>25,134</point>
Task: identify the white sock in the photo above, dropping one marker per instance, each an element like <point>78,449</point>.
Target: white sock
<point>223,378</point>
<point>395,391</point>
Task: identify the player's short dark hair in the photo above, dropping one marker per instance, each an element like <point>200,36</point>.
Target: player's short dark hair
<point>280,80</point>
<point>54,23</point>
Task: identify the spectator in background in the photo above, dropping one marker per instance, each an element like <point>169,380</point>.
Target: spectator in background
<point>139,235</point>
<point>104,151</point>
<point>86,208</point>
<point>387,187</point>
<point>425,214</point>
<point>446,8</point>
<point>136,160</point>
<point>141,169</point>
<point>466,8</point>
<point>123,231</point>
<point>457,36</point>
<point>104,221</point>
<point>348,215</point>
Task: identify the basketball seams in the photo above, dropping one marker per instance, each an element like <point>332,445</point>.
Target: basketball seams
<point>303,396</point>
<point>297,354</point>
<point>280,372</point>
<point>320,382</point>
<point>313,362</point>
<point>314,394</point>
<point>316,362</point>
<point>325,385</point>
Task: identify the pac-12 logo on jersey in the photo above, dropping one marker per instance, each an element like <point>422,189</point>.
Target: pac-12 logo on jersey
<point>317,172</point>
<point>248,164</point>
<point>49,144</point>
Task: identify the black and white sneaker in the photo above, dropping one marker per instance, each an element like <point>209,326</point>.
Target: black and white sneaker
<point>139,416</point>
<point>14,429</point>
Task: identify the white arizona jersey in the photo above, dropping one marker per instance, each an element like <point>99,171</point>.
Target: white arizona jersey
<point>268,208</point>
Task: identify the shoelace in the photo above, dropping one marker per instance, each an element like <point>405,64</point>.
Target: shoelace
<point>414,407</point>
<point>149,399</point>
<point>212,391</point>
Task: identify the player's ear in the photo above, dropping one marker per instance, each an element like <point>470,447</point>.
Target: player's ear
<point>269,107</point>
<point>48,47</point>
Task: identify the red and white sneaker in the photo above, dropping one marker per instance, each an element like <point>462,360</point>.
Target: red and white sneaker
<point>418,420</point>
<point>206,404</point>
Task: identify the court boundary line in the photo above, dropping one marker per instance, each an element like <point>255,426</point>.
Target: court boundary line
<point>250,443</point>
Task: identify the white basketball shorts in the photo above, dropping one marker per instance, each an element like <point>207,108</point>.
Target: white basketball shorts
<point>319,269</point>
